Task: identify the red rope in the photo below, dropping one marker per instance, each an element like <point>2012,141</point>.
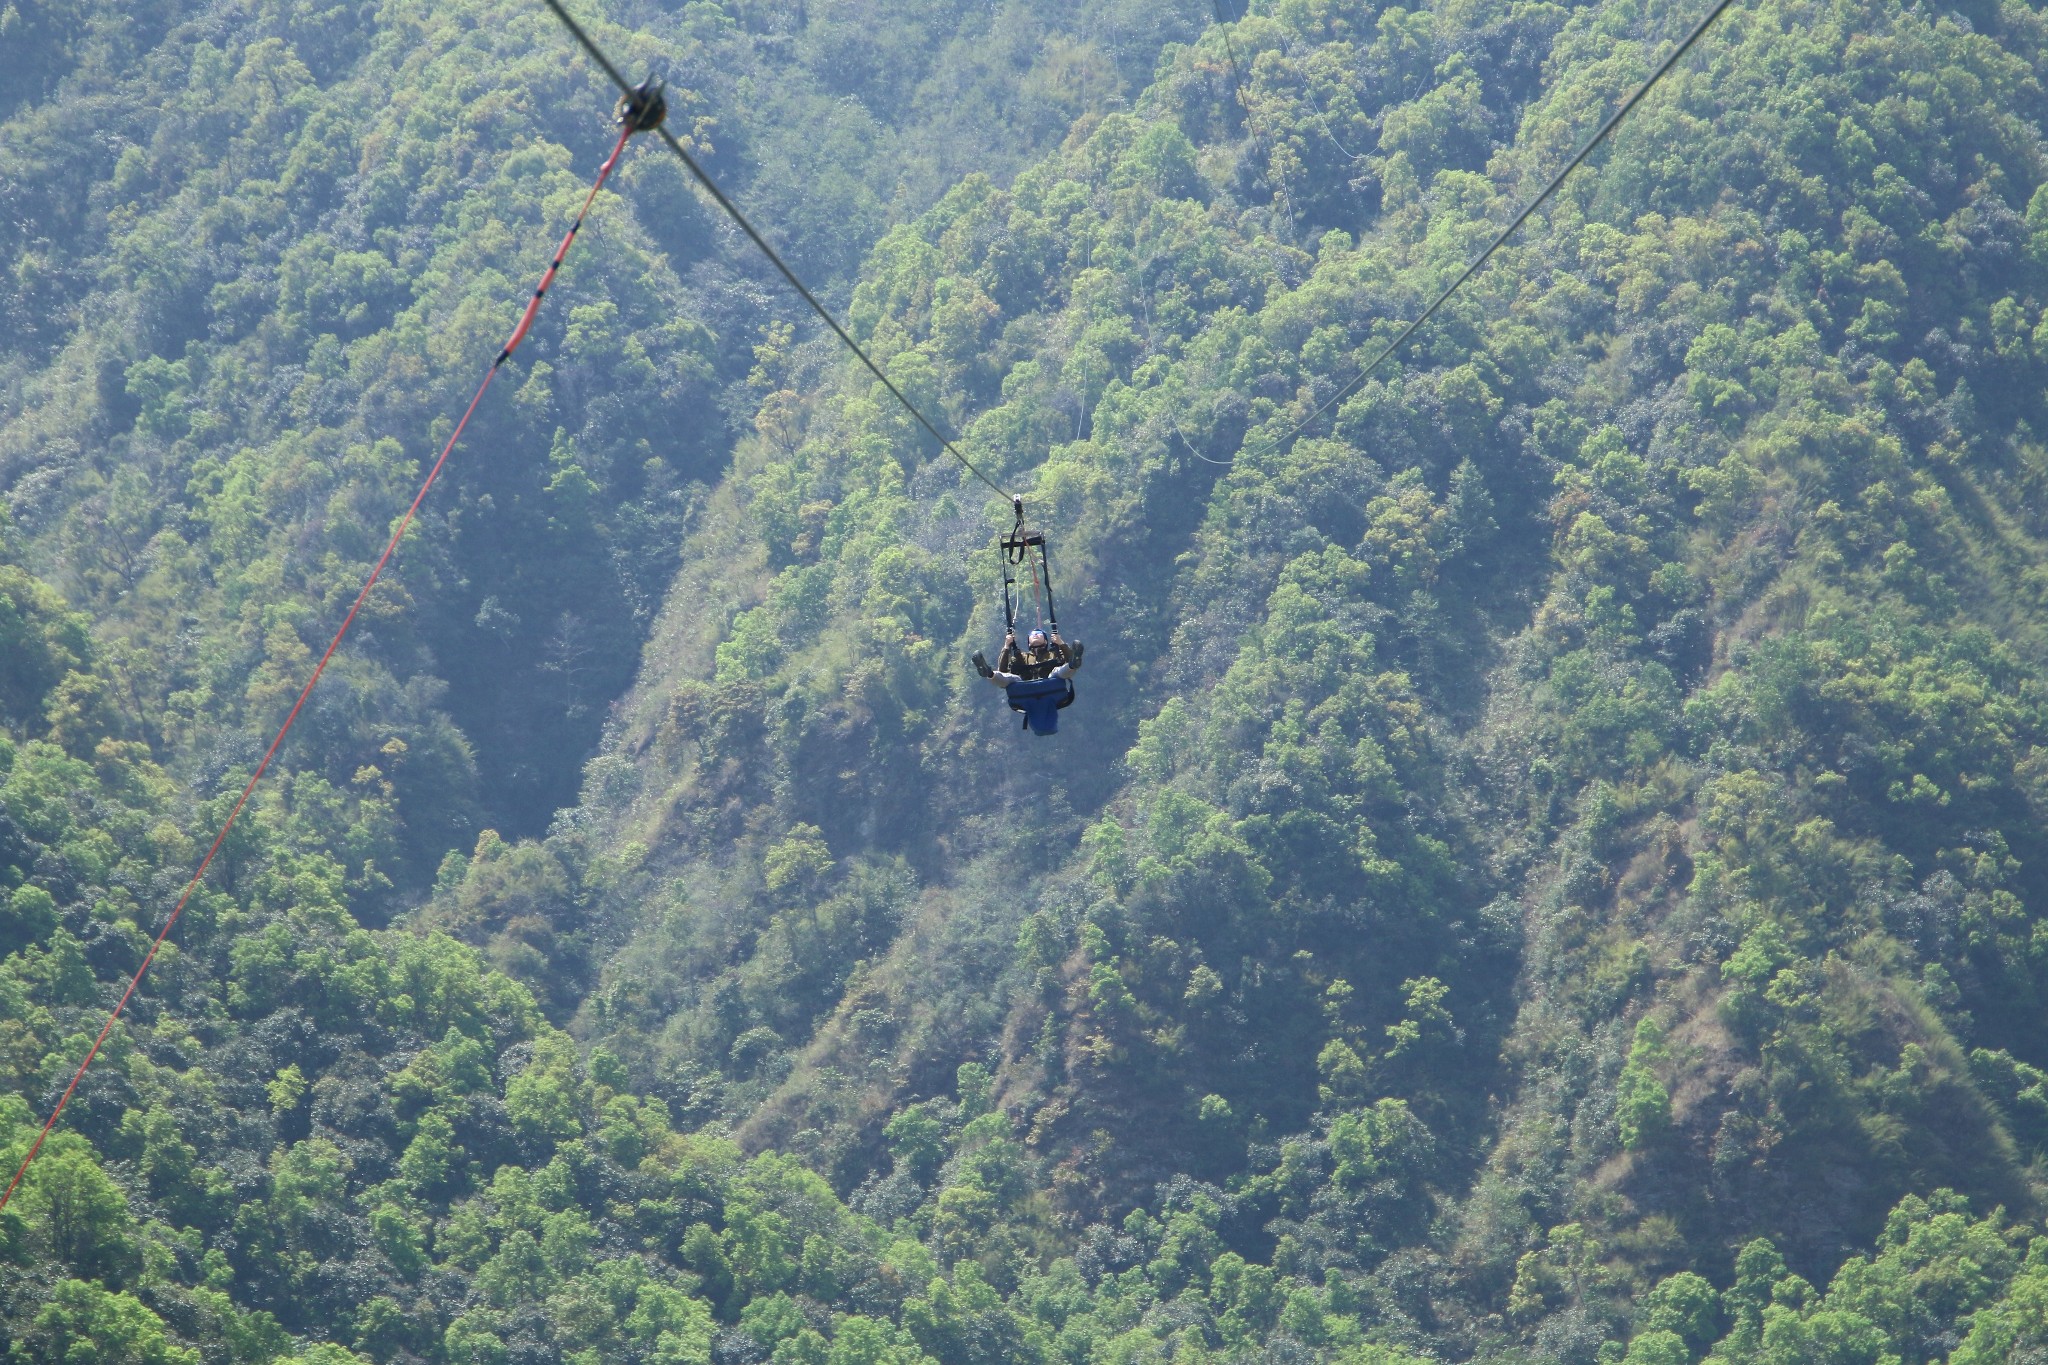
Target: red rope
<point>404,522</point>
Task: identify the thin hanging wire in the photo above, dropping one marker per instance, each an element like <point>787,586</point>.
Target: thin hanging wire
<point>1478,262</point>
<point>1308,90</point>
<point>333,646</point>
<point>1251,121</point>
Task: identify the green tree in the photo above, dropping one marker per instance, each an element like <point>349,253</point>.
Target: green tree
<point>85,1323</point>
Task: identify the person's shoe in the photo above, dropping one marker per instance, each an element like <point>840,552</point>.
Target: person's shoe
<point>981,665</point>
<point>1074,652</point>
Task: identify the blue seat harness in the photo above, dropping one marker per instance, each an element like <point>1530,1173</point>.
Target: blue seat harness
<point>1041,700</point>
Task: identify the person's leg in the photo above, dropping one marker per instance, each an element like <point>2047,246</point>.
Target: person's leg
<point>1061,671</point>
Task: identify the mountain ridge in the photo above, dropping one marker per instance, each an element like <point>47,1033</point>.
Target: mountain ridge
<point>1541,868</point>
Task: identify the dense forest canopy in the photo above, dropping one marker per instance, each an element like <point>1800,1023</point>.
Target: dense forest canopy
<point>1547,866</point>
<point>256,250</point>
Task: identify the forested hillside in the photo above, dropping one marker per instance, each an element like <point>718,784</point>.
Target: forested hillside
<point>254,256</point>
<point>1545,866</point>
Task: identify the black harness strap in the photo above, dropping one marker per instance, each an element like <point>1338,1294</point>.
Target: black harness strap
<point>1052,612</point>
<point>1012,557</point>
<point>1022,548</point>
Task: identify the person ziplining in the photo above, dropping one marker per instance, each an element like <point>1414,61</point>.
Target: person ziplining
<point>1040,696</point>
<point>1038,678</point>
<point>1046,659</point>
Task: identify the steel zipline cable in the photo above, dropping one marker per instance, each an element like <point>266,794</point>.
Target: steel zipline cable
<point>631,126</point>
<point>803,290</point>
<point>1478,262</point>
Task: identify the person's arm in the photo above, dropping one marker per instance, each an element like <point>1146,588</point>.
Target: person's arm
<point>1001,675</point>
